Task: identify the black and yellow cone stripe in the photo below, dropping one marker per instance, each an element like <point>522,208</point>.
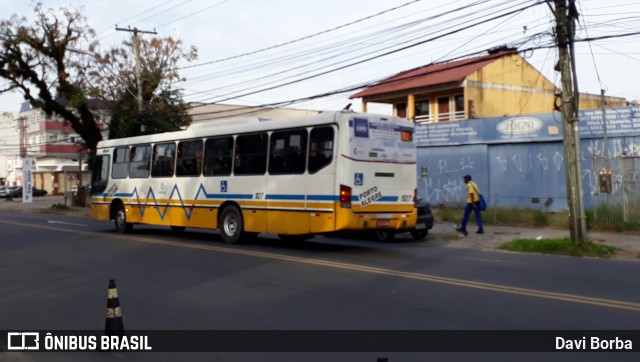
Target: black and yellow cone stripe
<point>114,324</point>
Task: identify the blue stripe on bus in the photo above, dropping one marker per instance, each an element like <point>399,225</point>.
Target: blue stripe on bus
<point>229,196</point>
<point>323,198</point>
<point>285,197</point>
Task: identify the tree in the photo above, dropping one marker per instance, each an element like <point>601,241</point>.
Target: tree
<point>37,61</point>
<point>56,58</point>
<point>162,108</point>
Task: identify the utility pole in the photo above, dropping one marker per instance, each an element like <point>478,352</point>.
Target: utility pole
<point>565,12</point>
<point>136,46</point>
<point>22,127</point>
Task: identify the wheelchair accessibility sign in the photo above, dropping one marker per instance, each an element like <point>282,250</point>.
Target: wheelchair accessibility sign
<point>223,186</point>
<point>358,179</point>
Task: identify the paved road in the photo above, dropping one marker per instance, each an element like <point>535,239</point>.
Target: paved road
<point>55,270</point>
<point>443,234</point>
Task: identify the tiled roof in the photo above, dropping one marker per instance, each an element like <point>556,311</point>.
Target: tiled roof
<point>430,75</point>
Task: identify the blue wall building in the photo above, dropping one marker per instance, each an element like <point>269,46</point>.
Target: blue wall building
<point>519,161</point>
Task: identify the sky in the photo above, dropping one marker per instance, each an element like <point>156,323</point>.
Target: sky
<point>257,52</point>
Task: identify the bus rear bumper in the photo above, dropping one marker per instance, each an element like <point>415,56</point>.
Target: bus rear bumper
<point>382,221</point>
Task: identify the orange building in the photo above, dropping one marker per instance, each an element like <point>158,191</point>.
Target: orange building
<point>500,83</point>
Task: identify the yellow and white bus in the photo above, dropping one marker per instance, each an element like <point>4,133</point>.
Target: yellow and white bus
<point>334,171</point>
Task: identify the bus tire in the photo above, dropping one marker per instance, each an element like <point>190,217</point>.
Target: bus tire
<point>120,220</point>
<point>231,224</point>
<point>178,228</point>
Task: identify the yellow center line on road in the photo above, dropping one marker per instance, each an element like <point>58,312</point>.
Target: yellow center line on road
<point>572,298</point>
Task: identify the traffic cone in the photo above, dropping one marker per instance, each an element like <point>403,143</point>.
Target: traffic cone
<point>114,325</point>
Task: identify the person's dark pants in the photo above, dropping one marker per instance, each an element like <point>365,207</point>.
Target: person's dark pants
<point>467,212</point>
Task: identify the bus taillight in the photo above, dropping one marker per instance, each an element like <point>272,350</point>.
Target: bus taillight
<point>345,197</point>
<point>415,198</point>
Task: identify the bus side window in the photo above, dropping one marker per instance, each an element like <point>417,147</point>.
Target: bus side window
<point>288,152</point>
<point>120,168</point>
<point>163,159</point>
<point>250,154</point>
<point>217,156</point>
<point>189,158</point>
<point>140,161</point>
<point>320,148</point>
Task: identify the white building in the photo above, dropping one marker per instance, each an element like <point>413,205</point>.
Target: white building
<point>9,145</point>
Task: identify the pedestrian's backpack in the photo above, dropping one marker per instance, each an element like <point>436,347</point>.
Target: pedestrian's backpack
<point>483,204</point>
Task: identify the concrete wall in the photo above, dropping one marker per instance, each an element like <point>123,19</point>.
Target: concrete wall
<point>519,161</point>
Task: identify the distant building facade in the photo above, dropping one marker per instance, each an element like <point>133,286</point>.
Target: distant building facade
<point>500,83</point>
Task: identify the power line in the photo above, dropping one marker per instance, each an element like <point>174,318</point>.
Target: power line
<point>341,67</point>
<point>351,45</point>
<point>302,38</point>
<point>194,13</point>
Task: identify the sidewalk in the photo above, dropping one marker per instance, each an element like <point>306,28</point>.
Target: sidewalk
<point>445,233</point>
<point>39,204</point>
<point>442,233</point>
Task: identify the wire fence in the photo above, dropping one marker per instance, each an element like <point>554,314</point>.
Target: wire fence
<point>616,199</point>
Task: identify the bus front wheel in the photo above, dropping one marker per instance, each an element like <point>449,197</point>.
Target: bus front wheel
<point>120,220</point>
<point>231,224</point>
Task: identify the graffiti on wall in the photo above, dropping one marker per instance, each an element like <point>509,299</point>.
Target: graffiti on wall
<point>528,164</point>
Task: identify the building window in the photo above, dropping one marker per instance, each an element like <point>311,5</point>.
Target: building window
<point>422,110</point>
<point>401,110</point>
<point>459,107</point>
<point>443,109</point>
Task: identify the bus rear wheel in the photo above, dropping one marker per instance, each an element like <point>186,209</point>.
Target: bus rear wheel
<point>231,224</point>
<point>120,220</point>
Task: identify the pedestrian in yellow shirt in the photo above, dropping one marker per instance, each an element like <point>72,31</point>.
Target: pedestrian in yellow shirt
<point>473,204</point>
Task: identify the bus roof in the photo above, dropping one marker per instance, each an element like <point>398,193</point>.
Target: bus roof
<point>242,125</point>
